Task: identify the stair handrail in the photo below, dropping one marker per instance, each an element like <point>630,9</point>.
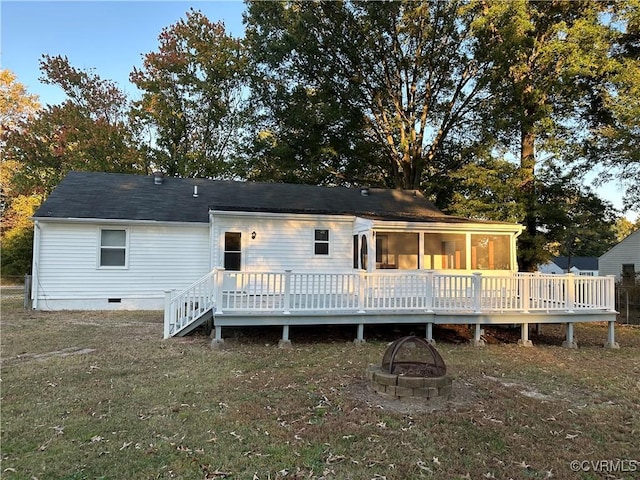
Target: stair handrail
<point>188,304</point>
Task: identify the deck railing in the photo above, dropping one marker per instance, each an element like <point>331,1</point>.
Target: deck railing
<point>186,306</point>
<point>288,292</point>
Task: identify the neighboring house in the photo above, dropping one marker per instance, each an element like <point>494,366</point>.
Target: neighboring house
<point>586,266</point>
<point>623,260</point>
<point>116,241</point>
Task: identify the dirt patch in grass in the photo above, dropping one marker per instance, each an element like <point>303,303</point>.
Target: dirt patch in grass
<point>26,357</point>
<point>142,407</point>
<point>464,396</point>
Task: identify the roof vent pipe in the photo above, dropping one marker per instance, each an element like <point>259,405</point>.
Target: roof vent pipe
<point>195,191</point>
<point>157,178</point>
<point>364,191</point>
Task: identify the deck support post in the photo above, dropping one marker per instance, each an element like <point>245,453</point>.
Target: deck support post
<point>611,341</point>
<point>284,341</point>
<point>429,338</point>
<point>360,335</point>
<point>570,340</point>
<point>524,336</point>
<point>217,342</point>
<point>478,341</point>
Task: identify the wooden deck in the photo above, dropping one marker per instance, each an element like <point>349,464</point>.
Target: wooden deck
<point>415,297</point>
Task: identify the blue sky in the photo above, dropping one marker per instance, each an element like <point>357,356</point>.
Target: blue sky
<point>110,36</point>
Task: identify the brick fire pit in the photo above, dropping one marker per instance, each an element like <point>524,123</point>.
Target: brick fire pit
<point>411,368</point>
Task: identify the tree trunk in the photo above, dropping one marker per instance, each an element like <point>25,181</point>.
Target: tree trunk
<point>529,239</point>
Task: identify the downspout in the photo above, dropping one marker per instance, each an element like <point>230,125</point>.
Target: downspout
<point>35,264</point>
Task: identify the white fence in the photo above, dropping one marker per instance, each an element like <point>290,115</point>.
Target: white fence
<point>290,292</point>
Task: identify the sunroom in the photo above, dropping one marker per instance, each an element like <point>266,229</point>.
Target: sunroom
<point>452,247</point>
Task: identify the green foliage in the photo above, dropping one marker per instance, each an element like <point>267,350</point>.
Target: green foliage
<point>296,148</point>
<point>16,105</point>
<point>576,222</point>
<point>487,190</point>
<point>402,73</point>
<point>89,131</point>
<point>614,107</point>
<point>549,58</point>
<point>623,228</point>
<point>438,96</point>
<point>192,97</point>
<point>17,246</point>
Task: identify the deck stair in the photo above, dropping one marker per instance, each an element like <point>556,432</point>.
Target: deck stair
<point>188,309</point>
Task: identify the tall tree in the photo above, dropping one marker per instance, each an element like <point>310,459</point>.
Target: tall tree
<point>614,108</point>
<point>625,227</point>
<point>487,189</point>
<point>192,97</point>
<point>545,55</point>
<point>404,73</point>
<point>16,104</point>
<point>17,109</point>
<point>88,131</point>
<point>575,220</point>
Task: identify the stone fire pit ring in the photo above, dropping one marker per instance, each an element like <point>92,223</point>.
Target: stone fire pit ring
<point>411,368</point>
<point>396,386</point>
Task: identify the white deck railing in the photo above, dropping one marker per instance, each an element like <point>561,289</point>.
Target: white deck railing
<point>288,292</point>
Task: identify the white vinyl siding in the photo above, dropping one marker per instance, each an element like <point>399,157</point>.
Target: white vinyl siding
<point>627,252</point>
<point>286,242</point>
<point>159,258</point>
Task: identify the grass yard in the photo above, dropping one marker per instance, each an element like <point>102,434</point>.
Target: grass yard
<point>90,395</point>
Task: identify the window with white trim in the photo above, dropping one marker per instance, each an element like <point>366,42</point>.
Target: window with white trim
<point>321,242</point>
<point>233,251</point>
<point>113,248</point>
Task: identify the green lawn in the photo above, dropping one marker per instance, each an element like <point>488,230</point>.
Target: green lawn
<point>89,395</point>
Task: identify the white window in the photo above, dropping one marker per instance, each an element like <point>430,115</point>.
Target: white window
<point>233,251</point>
<point>321,242</point>
<point>113,248</point>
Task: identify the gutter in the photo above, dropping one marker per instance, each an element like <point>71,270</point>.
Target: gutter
<point>115,221</point>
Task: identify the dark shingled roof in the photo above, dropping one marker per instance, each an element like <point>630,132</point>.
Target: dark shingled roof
<point>581,263</point>
<point>136,197</point>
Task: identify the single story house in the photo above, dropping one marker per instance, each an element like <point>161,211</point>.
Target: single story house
<point>587,266</point>
<point>236,253</point>
<point>623,259</point>
<point>115,241</point>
